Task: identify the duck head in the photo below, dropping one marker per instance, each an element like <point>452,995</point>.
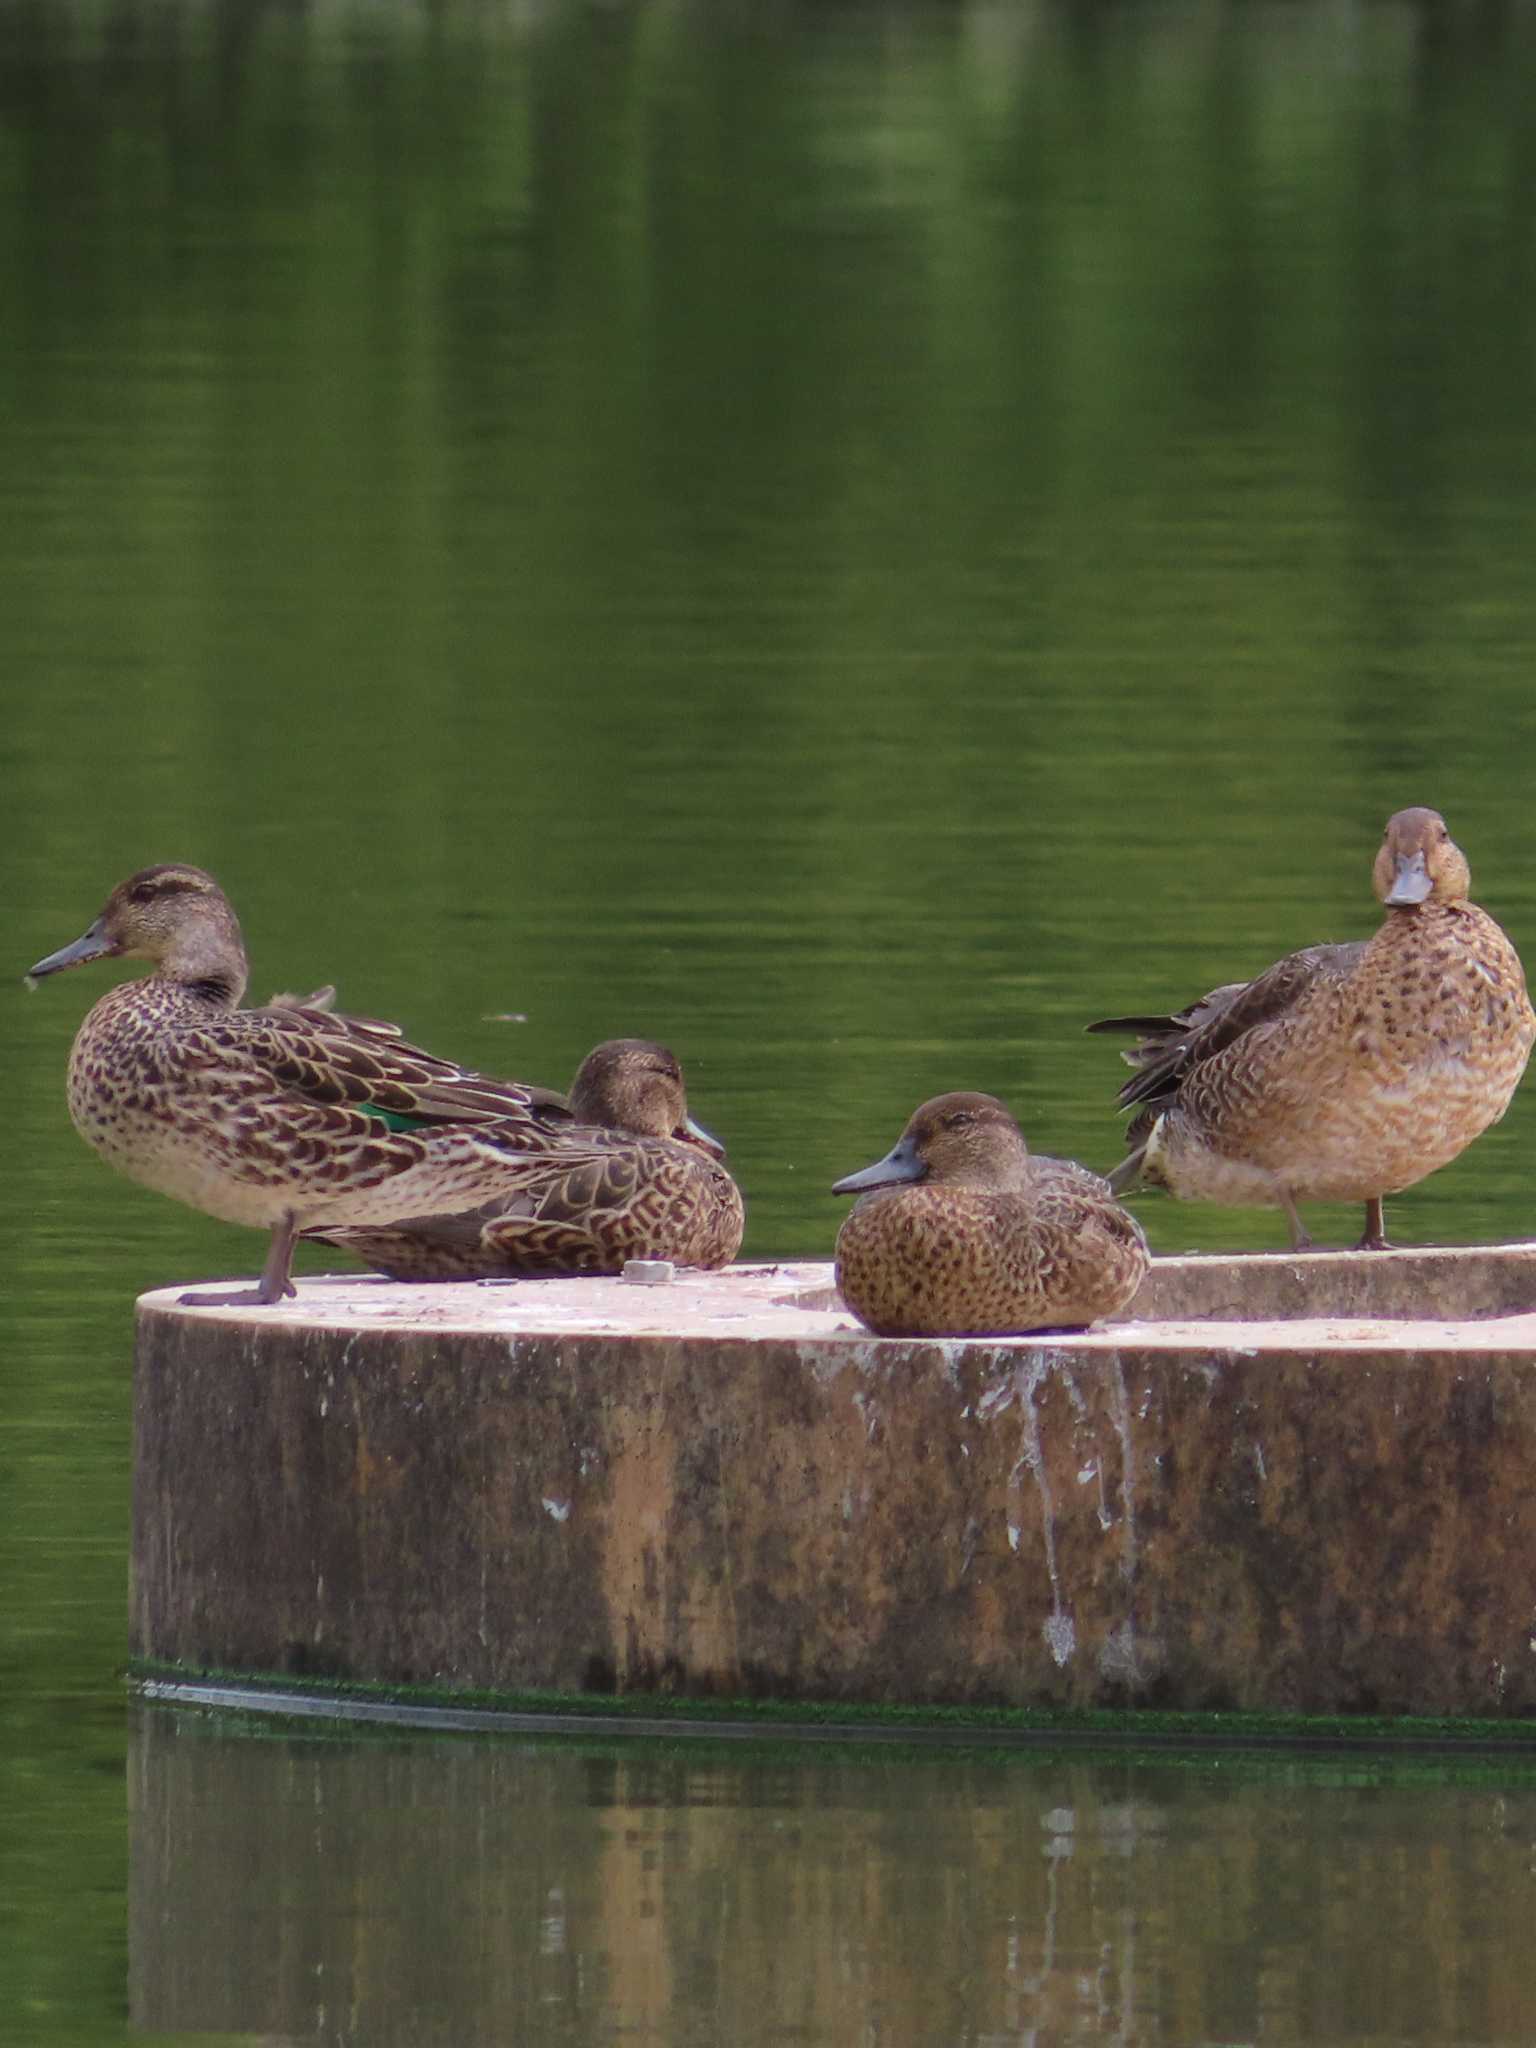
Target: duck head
<point>175,916</point>
<point>1419,862</point>
<point>635,1085</point>
<point>957,1140</point>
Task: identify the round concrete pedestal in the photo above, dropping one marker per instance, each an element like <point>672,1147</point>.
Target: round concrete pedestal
<point>1321,1502</point>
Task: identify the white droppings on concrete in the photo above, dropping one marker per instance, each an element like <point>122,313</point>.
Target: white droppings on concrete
<point>1120,1408</point>
<point>1258,1461</point>
<point>996,1399</point>
<point>1013,1545</point>
<point>1029,1374</point>
<point>823,1365</point>
<point>1060,1634</point>
<point>1106,1519</point>
<point>953,1350</point>
<point>557,1510</point>
<point>1089,1471</point>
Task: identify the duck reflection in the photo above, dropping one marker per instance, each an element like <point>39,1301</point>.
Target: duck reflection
<point>407,1889</point>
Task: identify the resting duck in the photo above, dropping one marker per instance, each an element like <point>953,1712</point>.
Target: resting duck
<point>962,1231</point>
<point>281,1117</point>
<point>635,1178</point>
<point>1347,1072</point>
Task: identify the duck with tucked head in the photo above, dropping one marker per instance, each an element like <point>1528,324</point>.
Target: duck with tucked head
<point>282,1117</point>
<point>635,1178</point>
<point>1345,1073</point>
<point>961,1231</point>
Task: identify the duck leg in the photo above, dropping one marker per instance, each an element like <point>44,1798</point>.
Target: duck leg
<point>1300,1241</point>
<point>1375,1238</point>
<point>274,1282</point>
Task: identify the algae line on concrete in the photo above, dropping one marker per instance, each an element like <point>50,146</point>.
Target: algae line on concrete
<point>651,1715</point>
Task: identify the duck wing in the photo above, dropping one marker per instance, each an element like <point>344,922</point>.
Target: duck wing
<point>357,1063</point>
<point>584,1204</point>
<point>1171,1047</point>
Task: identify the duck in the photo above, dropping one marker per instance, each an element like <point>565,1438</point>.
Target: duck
<point>961,1231</point>
<point>279,1117</point>
<point>1345,1072</point>
<point>635,1178</point>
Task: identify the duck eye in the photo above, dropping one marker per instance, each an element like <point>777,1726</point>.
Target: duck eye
<point>961,1120</point>
<point>144,893</point>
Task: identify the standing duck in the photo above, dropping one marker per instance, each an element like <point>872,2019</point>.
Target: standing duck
<point>1345,1073</point>
<point>634,1178</point>
<point>282,1117</point>
<point>962,1231</point>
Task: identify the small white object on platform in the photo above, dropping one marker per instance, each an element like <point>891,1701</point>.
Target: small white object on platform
<point>649,1272</point>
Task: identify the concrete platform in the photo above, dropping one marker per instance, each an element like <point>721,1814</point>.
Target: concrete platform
<point>723,1486</point>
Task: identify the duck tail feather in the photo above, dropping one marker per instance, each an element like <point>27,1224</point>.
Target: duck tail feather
<point>1143,1027</point>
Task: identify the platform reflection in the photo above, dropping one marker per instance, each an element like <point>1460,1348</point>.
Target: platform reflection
<point>429,1890</point>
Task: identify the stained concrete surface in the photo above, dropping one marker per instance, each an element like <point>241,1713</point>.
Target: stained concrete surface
<point>724,1486</point>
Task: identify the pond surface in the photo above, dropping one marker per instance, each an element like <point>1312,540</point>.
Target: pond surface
<point>853,540</point>
<point>468,1892</point>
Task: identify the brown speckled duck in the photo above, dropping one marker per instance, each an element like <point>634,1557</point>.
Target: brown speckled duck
<point>280,1117</point>
<point>635,1178</point>
<point>962,1231</point>
<point>1346,1072</point>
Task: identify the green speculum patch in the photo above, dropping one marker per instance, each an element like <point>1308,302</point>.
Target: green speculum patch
<point>394,1119</point>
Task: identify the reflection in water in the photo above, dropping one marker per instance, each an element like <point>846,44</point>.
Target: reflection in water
<point>410,1890</point>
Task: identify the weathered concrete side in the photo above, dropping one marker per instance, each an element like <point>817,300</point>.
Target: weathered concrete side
<point>1434,1284</point>
<point>1321,1519</point>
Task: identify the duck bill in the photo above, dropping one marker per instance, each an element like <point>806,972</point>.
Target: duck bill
<point>695,1134</point>
<point>900,1164</point>
<point>91,945</point>
<point>1411,882</point>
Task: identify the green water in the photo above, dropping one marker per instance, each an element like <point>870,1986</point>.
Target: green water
<point>474,1892</point>
<point>852,539</point>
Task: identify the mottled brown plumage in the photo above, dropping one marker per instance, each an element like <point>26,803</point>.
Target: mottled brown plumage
<point>961,1231</point>
<point>278,1117</point>
<point>1345,1073</point>
<point>635,1178</point>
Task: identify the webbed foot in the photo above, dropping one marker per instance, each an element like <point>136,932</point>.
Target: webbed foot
<point>236,1297</point>
<point>274,1284</point>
